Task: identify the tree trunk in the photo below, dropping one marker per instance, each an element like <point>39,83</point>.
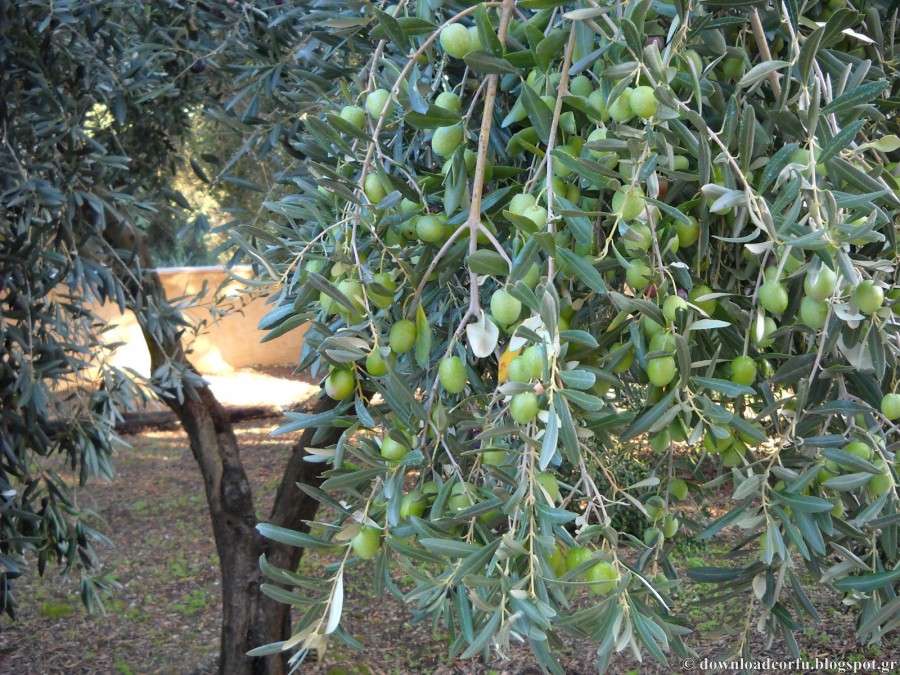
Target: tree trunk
<point>249,618</point>
<point>272,620</point>
<point>238,544</point>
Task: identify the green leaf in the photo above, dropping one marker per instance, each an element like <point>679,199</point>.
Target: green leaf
<point>476,561</point>
<point>645,307</point>
<point>888,143</point>
<point>776,164</point>
<point>520,59</point>
<point>435,117</point>
<point>595,173</point>
<point>290,537</point>
<point>584,272</point>
<point>731,4</point>
<point>521,223</point>
<point>540,115</point>
<point>841,140</point>
<point>793,369</point>
<point>876,345</point>
<point>808,53</point>
<point>464,615</point>
<point>486,64</point>
<point>455,184</point>
<point>708,324</point>
<point>841,19</point>
<point>726,387</point>
<point>584,401</point>
<point>253,253</point>
<point>323,498</point>
<point>889,611</point>
<point>633,37</point>
<point>486,33</point>
<point>643,423</point>
<point>648,632</point>
<point>848,482</point>
<point>841,408</point>
<point>352,479</point>
<point>555,515</point>
<point>484,261</point>
<point>550,47</point>
<point>293,322</point>
<point>580,226</point>
<point>827,441</point>
<point>803,503</point>
<point>484,636</point>
<point>577,379</point>
<point>322,284</point>
<point>410,25</point>
<point>850,461</point>
<point>325,132</point>
<point>866,583</point>
<point>452,548</point>
<point>856,96</point>
<point>750,430</point>
<point>198,170</point>
<point>392,28</point>
<point>862,181</point>
<point>866,388</point>
<point>416,102</point>
<point>414,552</point>
<point>276,316</point>
<point>581,337</point>
<point>761,71</point>
<point>671,211</point>
<point>713,575</point>
<point>549,442</point>
<point>567,429</point>
<point>810,531</point>
<point>867,516</point>
<point>586,13</point>
<point>300,421</point>
<point>268,650</point>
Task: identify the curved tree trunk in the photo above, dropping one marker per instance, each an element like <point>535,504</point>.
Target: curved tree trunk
<point>272,620</point>
<point>249,618</point>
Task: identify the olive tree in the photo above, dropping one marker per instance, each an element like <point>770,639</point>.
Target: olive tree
<point>536,231</point>
<point>96,101</point>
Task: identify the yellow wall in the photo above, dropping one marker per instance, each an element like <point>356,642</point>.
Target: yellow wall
<point>230,343</point>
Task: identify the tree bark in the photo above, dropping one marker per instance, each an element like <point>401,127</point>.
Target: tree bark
<point>292,507</point>
<point>249,618</point>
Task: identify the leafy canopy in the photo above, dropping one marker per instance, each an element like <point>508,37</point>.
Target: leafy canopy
<point>96,98</point>
<point>535,232</point>
<point>82,153</point>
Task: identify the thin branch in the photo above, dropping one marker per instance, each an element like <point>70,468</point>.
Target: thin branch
<point>763,44</point>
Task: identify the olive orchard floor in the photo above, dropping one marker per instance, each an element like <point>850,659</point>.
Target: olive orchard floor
<point>165,617</point>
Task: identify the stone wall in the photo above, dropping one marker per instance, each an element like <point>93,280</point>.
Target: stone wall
<point>223,344</point>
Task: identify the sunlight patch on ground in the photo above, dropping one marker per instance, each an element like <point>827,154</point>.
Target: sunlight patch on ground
<point>252,388</point>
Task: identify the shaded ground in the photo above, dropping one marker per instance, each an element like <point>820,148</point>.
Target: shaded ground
<point>165,617</point>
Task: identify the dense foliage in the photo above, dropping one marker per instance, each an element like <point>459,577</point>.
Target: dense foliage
<point>96,99</point>
<point>534,232</point>
<point>71,84</point>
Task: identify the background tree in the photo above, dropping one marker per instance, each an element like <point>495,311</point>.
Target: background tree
<point>96,99</point>
<point>540,231</point>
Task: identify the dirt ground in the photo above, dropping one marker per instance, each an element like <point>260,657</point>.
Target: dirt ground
<point>165,616</point>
